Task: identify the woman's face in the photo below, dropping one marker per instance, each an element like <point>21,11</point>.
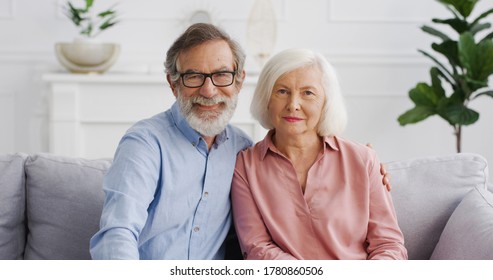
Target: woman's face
<point>296,102</point>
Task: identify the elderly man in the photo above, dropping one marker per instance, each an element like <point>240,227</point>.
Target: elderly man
<point>167,193</point>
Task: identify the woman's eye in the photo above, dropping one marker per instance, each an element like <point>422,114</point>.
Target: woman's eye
<point>282,91</point>
<point>308,92</point>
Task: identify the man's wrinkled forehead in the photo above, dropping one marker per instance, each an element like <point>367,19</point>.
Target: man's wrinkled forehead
<point>213,55</point>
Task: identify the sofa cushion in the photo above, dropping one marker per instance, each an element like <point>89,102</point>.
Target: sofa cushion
<point>64,204</point>
<point>468,234</point>
<point>12,206</point>
<point>427,190</point>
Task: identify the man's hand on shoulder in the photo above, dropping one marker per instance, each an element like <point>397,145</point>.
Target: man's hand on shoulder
<point>383,171</point>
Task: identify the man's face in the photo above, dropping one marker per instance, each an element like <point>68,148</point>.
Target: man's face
<point>208,108</point>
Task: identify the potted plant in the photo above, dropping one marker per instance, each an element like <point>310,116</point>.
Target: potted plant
<point>84,54</point>
<point>465,70</point>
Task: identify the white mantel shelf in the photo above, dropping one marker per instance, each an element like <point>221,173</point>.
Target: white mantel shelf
<point>106,78</point>
<point>117,77</point>
<point>89,113</point>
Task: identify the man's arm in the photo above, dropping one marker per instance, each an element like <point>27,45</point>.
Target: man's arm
<point>129,188</point>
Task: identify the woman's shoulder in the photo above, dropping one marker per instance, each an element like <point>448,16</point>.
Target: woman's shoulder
<point>251,151</point>
<point>355,148</point>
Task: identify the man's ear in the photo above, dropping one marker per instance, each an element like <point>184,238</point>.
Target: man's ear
<point>172,85</point>
<point>243,76</point>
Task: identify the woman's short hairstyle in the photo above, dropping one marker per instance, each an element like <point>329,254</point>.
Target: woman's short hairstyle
<point>334,116</point>
<point>195,35</point>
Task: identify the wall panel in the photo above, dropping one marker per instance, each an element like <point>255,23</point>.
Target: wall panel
<point>372,44</point>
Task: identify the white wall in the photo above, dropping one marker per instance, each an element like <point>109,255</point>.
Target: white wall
<point>373,45</point>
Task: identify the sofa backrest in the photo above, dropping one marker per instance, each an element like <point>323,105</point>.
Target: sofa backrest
<point>57,201</point>
<point>64,202</point>
<point>427,190</point>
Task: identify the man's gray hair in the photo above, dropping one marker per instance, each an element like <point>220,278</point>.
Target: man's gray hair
<point>195,35</point>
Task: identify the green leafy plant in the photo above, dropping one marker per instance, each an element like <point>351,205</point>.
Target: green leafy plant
<point>470,63</point>
<point>89,23</point>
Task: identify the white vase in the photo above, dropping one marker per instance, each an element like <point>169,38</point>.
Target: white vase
<point>262,30</point>
<point>87,56</point>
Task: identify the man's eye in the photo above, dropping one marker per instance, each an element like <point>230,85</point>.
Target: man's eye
<point>221,75</point>
<point>193,76</point>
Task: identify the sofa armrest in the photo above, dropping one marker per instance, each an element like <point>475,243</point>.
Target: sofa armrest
<point>12,206</point>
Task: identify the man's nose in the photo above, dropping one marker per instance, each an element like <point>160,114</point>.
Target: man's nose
<point>208,89</point>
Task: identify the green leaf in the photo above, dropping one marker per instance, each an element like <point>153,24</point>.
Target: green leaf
<point>475,85</point>
<point>422,94</point>
<point>415,115</point>
<point>106,13</point>
<point>479,27</point>
<point>476,58</point>
<point>487,93</point>
<point>434,32</point>
<point>108,23</point>
<point>458,114</point>
<point>457,24</point>
<point>483,15</point>
<point>457,96</point>
<point>436,83</point>
<point>89,4</point>
<point>464,7</point>
<point>450,50</point>
<point>442,67</point>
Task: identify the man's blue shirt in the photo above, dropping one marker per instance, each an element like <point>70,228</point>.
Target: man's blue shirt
<point>166,195</point>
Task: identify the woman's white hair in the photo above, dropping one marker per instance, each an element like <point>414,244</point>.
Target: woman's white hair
<point>334,116</point>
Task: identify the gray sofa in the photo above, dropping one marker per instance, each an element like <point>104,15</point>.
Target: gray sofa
<point>50,206</point>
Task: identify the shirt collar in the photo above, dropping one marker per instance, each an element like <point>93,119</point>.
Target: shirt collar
<point>193,136</point>
<point>330,142</point>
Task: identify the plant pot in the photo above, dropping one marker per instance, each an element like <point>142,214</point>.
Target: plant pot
<point>83,56</point>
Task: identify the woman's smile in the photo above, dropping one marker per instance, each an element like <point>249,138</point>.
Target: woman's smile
<point>292,119</point>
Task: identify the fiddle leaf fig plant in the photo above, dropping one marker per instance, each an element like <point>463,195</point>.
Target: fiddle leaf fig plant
<point>90,24</point>
<point>462,73</point>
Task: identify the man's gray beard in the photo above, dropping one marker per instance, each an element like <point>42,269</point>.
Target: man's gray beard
<point>208,123</point>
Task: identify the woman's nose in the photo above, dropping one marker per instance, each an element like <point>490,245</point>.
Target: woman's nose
<point>293,103</point>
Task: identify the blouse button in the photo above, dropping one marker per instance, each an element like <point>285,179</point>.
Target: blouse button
<point>196,229</point>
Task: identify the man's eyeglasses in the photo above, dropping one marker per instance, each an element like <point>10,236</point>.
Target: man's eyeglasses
<point>219,79</point>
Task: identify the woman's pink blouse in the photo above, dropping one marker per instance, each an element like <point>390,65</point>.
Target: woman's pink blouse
<point>345,212</point>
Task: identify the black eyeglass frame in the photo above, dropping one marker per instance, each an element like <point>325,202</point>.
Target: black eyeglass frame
<point>208,76</point>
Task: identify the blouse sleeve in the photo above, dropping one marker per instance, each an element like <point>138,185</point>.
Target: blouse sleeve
<point>385,239</point>
<point>255,240</point>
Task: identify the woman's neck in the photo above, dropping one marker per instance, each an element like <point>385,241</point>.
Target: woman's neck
<point>302,151</point>
<point>300,146</point>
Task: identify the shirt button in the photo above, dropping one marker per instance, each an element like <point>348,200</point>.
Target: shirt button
<point>206,194</point>
<point>196,229</point>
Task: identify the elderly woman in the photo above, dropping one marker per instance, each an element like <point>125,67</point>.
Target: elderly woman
<point>304,192</point>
